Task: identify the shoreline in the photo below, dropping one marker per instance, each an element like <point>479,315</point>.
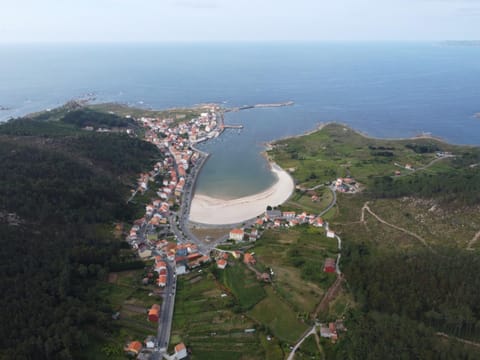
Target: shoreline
<point>209,210</point>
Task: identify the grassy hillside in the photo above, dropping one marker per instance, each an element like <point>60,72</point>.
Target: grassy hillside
<point>338,151</point>
<point>409,240</point>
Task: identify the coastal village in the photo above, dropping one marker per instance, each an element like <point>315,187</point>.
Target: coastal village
<point>151,235</point>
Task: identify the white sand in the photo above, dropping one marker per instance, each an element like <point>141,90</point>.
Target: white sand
<point>209,210</point>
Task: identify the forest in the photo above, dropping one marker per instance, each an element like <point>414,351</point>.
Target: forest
<point>406,299</point>
<point>87,117</point>
<point>66,187</point>
<point>457,186</point>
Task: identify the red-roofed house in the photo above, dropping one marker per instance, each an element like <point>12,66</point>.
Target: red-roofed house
<point>154,313</point>
<point>249,259</point>
<point>180,351</point>
<point>134,347</point>
<point>221,264</point>
<point>318,222</point>
<point>162,280</point>
<point>329,265</point>
<point>237,234</point>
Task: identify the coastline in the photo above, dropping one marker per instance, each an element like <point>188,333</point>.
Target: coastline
<point>214,211</point>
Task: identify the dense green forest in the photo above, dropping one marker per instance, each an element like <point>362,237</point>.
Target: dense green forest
<point>461,186</point>
<point>66,187</point>
<point>406,298</point>
<point>87,117</point>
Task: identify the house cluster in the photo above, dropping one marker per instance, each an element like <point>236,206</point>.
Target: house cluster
<point>174,141</point>
<point>277,218</point>
<point>346,185</point>
<point>274,219</point>
<point>186,256</point>
<point>221,257</point>
<point>143,351</point>
<point>156,214</point>
<point>331,331</point>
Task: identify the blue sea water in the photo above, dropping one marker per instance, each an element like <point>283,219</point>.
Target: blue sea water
<point>383,89</point>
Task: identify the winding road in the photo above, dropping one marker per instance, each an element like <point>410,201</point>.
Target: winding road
<point>367,208</point>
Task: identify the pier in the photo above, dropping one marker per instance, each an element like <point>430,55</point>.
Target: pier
<point>260,106</point>
<point>233,126</point>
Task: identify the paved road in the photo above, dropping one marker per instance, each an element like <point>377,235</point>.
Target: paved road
<point>302,339</point>
<point>334,200</point>
<point>166,313</point>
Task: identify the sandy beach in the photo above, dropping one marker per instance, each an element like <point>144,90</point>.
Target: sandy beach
<point>209,210</point>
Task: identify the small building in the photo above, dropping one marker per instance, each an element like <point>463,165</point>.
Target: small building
<point>330,234</point>
<point>181,269</point>
<point>329,331</point>
<point>150,342</point>
<point>287,215</point>
<point>259,222</point>
<point>180,351</point>
<point>249,259</point>
<point>265,277</point>
<point>154,313</point>
<point>273,214</point>
<point>293,222</point>
<point>162,280</point>
<point>318,222</point>
<point>222,264</point>
<point>329,266</point>
<point>133,348</point>
<point>237,234</point>
<point>145,254</point>
<point>160,265</point>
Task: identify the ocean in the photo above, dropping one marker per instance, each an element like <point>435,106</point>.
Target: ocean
<point>383,89</point>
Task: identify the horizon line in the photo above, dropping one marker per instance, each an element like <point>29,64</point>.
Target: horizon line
<point>262,41</point>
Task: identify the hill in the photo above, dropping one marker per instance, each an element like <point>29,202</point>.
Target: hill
<point>409,236</point>
<point>61,190</point>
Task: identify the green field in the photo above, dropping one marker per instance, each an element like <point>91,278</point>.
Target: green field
<point>296,256</point>
<point>301,201</point>
<point>211,325</point>
<point>243,284</point>
<point>279,317</point>
<point>309,350</point>
<point>124,110</point>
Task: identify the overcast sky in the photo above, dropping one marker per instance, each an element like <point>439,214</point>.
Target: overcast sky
<point>237,20</point>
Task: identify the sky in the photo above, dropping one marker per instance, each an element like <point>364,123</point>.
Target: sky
<point>237,20</point>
